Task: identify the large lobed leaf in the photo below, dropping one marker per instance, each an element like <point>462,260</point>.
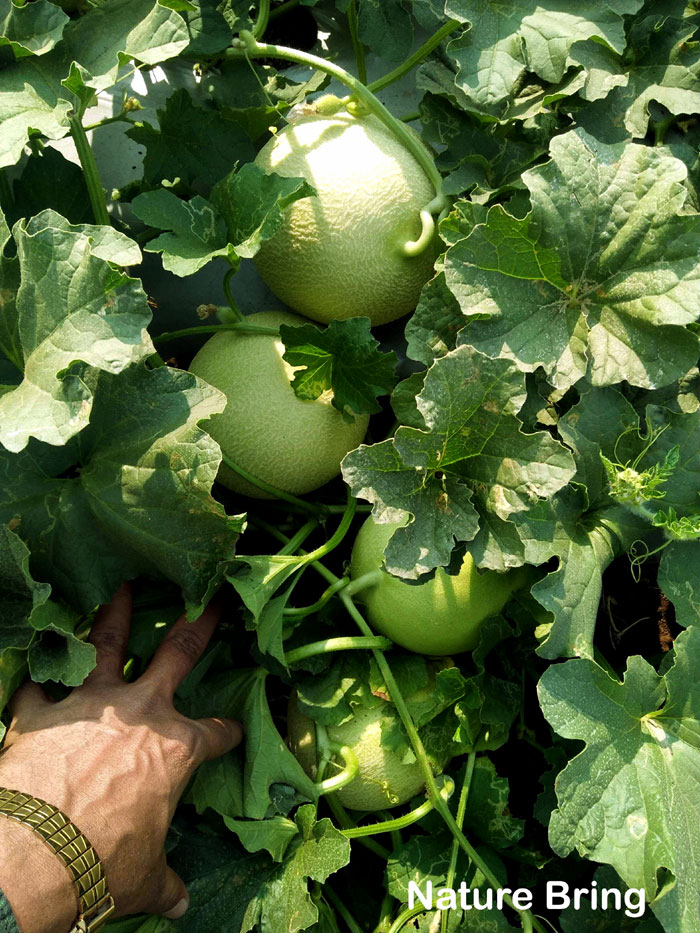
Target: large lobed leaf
<point>602,271</point>
<point>510,38</point>
<point>36,632</point>
<point>629,799</point>
<point>245,209</point>
<point>459,455</point>
<point>67,313</point>
<point>198,147</point>
<point>582,525</point>
<point>343,358</point>
<point>36,93</point>
<point>31,29</point>
<point>130,495</point>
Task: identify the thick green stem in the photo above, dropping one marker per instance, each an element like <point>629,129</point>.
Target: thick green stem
<point>417,744</point>
<point>293,544</point>
<point>400,822</point>
<point>461,810</point>
<point>356,44</point>
<point>262,19</point>
<point>405,917</point>
<point>336,538</point>
<point>351,765</point>
<point>348,919</point>
<point>250,47</point>
<point>92,179</point>
<point>120,118</point>
<point>344,643</point>
<point>364,582</point>
<point>268,487</point>
<point>661,128</point>
<point>344,821</point>
<point>320,568</point>
<point>229,295</point>
<point>241,326</point>
<point>386,911</point>
<point>300,612</point>
<point>432,43</point>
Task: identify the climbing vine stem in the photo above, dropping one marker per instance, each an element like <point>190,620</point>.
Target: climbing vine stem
<point>247,45</point>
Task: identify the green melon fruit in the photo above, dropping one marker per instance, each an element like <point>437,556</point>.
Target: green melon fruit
<point>439,617</point>
<point>384,780</point>
<point>339,254</point>
<point>291,443</point>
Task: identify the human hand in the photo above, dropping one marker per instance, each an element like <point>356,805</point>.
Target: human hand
<point>115,758</point>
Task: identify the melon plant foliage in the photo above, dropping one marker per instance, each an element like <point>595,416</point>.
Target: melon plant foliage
<point>540,406</point>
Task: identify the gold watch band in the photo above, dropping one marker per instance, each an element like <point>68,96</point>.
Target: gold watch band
<point>95,903</point>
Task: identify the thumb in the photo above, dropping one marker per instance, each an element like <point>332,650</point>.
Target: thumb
<point>174,899</point>
<point>218,736</point>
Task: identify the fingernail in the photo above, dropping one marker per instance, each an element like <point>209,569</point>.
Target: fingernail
<point>179,910</point>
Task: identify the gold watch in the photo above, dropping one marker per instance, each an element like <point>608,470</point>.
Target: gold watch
<point>95,903</point>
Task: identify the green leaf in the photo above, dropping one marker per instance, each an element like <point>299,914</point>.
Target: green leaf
<point>432,329</point>
<point>208,29</point>
<point>679,579</point>
<point>273,835</point>
<point>221,878</point>
<point>246,209</point>
<point>283,900</point>
<point>36,93</point>
<point>241,694</point>
<point>471,445</point>
<point>472,152</point>
<point>629,798</point>
<point>665,67</point>
<point>582,526</point>
<point>572,592</point>
<point>57,654</point>
<point>385,27</point>
<point>74,315</point>
<point>31,101</point>
<point>601,271</point>
<point>198,232</point>
<point>257,584</point>
<point>251,202</point>
<point>491,701</point>
<point>330,696</point>
<point>112,34</point>
<point>48,180</point>
<point>344,359</point>
<point>197,146</point>
<point>256,99</point>
<point>487,812</point>
<point>35,630</point>
<point>442,507</point>
<point>218,784</point>
<point>31,29</point>
<point>129,496</point>
<point>510,38</point>
<point>236,13</point>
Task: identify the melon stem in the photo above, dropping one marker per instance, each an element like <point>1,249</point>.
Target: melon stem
<point>246,45</point>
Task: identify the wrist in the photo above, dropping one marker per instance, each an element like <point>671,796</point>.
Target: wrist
<point>37,885</point>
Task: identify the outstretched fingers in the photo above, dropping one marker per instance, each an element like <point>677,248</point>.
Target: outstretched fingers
<point>110,636</point>
<point>27,701</point>
<point>179,651</point>
<point>218,736</point>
